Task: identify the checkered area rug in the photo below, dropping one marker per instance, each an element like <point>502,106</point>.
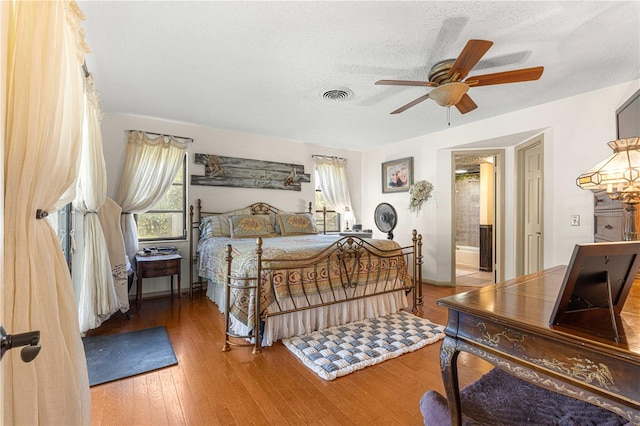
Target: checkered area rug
<point>340,350</point>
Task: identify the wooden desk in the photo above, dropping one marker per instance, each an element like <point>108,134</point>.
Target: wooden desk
<point>507,324</point>
<point>157,266</point>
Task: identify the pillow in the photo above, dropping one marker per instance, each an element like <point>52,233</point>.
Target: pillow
<point>250,225</point>
<point>246,210</point>
<point>296,224</point>
<point>217,225</point>
<point>273,218</point>
<point>214,226</point>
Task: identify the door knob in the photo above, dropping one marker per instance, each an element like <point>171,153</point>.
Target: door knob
<point>30,341</point>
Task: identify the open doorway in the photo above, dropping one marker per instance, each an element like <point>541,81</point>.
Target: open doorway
<point>475,200</point>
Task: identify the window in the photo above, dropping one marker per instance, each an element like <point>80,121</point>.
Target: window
<point>167,219</point>
<point>333,217</point>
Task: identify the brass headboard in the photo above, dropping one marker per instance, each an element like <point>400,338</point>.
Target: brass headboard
<point>195,217</point>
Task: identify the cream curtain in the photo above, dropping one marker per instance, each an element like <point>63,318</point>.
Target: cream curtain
<point>109,215</point>
<point>332,176</point>
<point>149,170</point>
<point>43,106</point>
<point>97,299</point>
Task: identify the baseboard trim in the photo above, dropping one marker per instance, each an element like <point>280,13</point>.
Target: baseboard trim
<point>438,283</point>
<point>153,295</point>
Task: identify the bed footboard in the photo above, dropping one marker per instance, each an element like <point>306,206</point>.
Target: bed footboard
<point>349,270</point>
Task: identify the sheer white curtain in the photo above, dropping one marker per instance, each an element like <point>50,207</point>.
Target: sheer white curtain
<point>332,176</point>
<point>149,170</point>
<point>43,106</point>
<point>97,299</point>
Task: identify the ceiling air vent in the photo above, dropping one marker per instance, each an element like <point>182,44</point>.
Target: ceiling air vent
<point>337,94</point>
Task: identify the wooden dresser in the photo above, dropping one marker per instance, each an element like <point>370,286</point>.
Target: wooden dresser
<point>609,218</point>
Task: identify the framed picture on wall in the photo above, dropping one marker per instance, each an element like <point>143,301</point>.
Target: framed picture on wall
<point>397,175</point>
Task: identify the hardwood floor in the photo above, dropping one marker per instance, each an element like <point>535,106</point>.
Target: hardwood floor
<point>209,387</point>
<point>467,277</point>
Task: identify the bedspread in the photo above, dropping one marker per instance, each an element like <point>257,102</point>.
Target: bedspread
<point>338,277</point>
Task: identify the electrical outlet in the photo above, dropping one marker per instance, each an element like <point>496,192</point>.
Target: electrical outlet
<point>575,220</point>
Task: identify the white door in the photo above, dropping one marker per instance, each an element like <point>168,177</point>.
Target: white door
<point>533,163</point>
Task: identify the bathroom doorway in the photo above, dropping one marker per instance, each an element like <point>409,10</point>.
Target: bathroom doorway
<point>475,218</point>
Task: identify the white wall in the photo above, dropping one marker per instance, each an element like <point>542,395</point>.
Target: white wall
<point>575,132</point>
<point>225,143</point>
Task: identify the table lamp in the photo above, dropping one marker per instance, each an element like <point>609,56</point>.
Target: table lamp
<point>619,176</point>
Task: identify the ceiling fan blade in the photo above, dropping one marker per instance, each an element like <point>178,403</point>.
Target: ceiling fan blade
<point>449,32</point>
<point>502,60</point>
<point>515,76</point>
<point>411,104</point>
<point>405,83</point>
<point>469,57</point>
<point>466,104</point>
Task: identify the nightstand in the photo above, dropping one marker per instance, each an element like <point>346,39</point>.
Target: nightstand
<point>356,234</point>
<point>157,266</point>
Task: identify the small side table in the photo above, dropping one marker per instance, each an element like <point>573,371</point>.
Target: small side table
<point>157,266</point>
<point>356,234</point>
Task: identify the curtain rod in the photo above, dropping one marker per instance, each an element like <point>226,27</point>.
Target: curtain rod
<point>327,156</point>
<point>162,134</point>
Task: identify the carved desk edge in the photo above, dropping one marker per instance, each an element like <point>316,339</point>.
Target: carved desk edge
<point>586,380</point>
<point>529,372</point>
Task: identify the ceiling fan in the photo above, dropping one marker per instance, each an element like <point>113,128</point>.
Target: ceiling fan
<point>448,79</point>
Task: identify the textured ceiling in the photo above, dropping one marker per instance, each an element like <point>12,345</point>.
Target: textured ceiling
<point>261,67</point>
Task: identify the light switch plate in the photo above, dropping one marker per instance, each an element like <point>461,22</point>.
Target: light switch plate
<point>575,220</point>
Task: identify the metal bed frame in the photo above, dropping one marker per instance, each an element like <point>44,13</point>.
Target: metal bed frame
<point>365,271</point>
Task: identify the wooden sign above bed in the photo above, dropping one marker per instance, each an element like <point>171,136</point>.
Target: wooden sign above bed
<point>245,173</point>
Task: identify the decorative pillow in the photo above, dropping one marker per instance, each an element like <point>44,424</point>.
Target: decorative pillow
<point>273,218</point>
<point>248,226</point>
<point>296,224</point>
<point>276,224</point>
<point>213,226</point>
<point>238,212</point>
<point>217,225</point>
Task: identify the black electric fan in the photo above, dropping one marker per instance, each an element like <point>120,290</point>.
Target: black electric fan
<point>386,218</point>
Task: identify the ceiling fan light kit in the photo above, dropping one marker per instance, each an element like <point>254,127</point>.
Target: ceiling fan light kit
<point>446,77</point>
<point>449,94</point>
